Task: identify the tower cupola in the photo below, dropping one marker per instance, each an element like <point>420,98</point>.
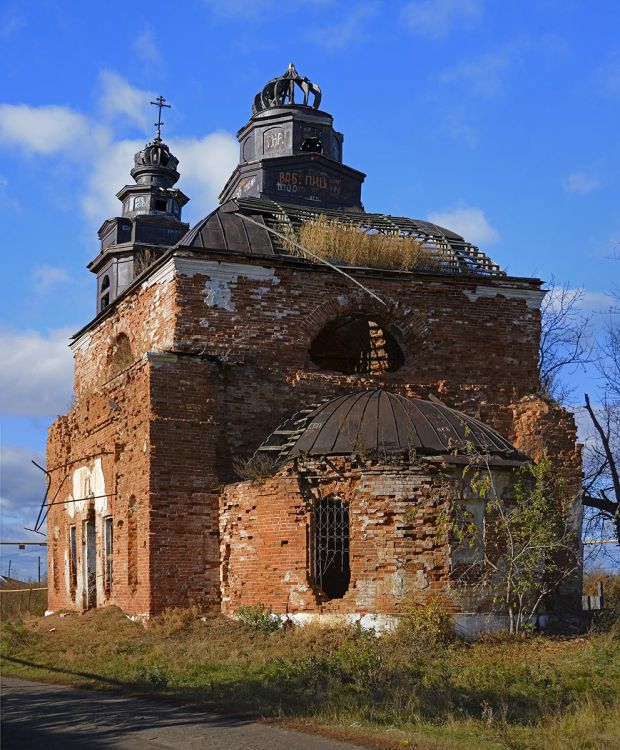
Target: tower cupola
<point>150,220</point>
<point>290,151</point>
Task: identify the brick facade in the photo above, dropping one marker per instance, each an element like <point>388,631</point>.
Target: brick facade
<point>220,356</point>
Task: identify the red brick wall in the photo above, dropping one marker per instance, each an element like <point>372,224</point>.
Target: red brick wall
<point>112,426</point>
<point>221,352</point>
<point>395,554</point>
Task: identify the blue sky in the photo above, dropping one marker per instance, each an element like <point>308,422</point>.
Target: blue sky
<point>497,119</point>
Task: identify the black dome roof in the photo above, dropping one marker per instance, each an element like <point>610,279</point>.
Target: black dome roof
<point>377,421</point>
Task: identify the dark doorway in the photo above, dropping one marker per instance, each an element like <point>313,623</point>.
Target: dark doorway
<point>330,547</point>
<point>89,558</point>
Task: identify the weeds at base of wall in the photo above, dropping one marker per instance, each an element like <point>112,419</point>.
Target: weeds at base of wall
<point>258,618</point>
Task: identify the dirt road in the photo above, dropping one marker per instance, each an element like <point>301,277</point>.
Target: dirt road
<point>35,715</point>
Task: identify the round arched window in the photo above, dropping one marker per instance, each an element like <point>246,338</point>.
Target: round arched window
<point>357,345</point>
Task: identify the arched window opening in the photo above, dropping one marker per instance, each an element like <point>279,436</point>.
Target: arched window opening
<point>357,345</point>
<point>330,547</point>
<point>313,145</point>
<point>121,355</point>
<point>104,295</point>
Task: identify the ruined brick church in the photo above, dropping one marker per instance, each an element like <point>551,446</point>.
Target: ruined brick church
<point>348,393</point>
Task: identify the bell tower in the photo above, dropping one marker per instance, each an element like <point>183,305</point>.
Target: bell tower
<point>150,220</point>
<point>290,151</point>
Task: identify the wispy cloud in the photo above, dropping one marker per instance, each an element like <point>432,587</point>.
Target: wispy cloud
<point>47,277</point>
<point>471,223</point>
<point>37,372</point>
<point>608,75</point>
<point>12,20</point>
<point>581,182</point>
<point>485,74</point>
<point>119,98</point>
<point>437,18</point>
<point>341,32</point>
<point>258,9</point>
<point>146,47</point>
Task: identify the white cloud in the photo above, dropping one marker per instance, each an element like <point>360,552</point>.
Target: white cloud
<point>37,372</point>
<point>205,163</point>
<point>350,28</point>
<point>107,176</point>
<point>46,277</point>
<point>46,130</point>
<point>469,222</point>
<point>145,47</point>
<point>581,182</point>
<point>119,97</point>
<point>436,18</point>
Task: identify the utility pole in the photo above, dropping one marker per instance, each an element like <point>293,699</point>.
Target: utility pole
<point>8,575</point>
<point>39,569</point>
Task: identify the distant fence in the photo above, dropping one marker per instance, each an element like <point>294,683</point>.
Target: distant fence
<point>593,602</point>
<point>15,603</point>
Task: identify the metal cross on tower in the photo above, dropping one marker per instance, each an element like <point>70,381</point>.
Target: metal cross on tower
<point>159,103</point>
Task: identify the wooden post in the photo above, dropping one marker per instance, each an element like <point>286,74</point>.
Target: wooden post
<point>9,573</point>
<point>29,597</point>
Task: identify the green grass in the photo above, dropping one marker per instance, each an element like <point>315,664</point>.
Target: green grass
<point>414,688</point>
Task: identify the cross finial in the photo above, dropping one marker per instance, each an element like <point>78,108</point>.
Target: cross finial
<point>159,103</point>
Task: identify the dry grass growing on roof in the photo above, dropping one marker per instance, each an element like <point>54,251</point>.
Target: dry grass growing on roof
<point>354,245</point>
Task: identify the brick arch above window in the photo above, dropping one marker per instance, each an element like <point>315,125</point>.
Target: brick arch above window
<point>408,324</point>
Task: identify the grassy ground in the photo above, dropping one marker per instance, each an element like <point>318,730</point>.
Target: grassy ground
<point>414,688</point>
<point>21,598</point>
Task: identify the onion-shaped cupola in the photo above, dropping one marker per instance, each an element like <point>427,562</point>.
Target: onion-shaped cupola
<point>150,220</point>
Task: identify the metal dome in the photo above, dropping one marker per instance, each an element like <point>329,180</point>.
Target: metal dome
<point>379,422</point>
<point>224,230</point>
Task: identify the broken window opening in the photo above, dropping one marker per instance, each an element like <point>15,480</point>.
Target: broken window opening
<point>312,145</point>
<point>357,345</point>
<point>72,561</point>
<point>104,295</point>
<point>330,548</point>
<point>107,533</point>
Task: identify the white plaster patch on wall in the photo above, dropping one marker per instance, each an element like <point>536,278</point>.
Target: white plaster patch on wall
<point>81,344</point>
<point>218,293</point>
<point>87,483</point>
<point>223,278</point>
<point>162,275</point>
<point>532,297</point>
